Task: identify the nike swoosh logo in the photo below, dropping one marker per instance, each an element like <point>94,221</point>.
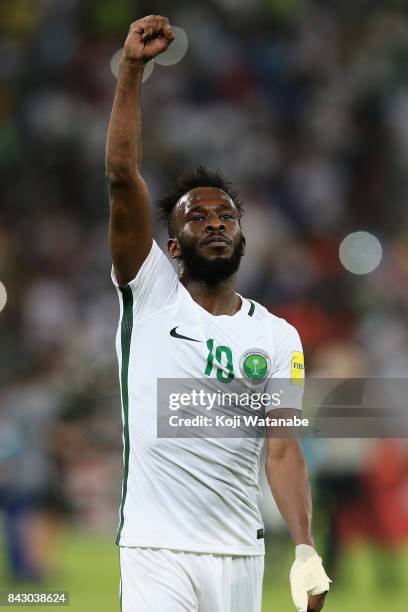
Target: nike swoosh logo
<point>174,334</point>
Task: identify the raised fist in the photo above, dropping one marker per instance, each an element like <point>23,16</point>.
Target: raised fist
<point>147,38</point>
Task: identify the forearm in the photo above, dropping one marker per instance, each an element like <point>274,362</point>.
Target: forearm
<point>124,140</point>
<point>287,476</point>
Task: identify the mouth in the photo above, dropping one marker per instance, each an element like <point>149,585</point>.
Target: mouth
<point>216,241</point>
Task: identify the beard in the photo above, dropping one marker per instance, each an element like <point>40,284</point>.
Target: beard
<point>209,271</point>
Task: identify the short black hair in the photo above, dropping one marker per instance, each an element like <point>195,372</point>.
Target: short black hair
<point>200,177</point>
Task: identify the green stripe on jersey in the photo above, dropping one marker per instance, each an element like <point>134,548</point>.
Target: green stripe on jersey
<point>125,338</point>
<point>252,309</point>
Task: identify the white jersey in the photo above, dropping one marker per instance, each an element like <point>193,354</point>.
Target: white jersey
<point>198,495</point>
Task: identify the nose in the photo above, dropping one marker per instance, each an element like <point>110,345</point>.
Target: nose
<point>214,223</point>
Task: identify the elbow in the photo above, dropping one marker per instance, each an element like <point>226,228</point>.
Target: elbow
<point>272,466</point>
<point>116,179</point>
<point>279,449</point>
<point>118,174</point>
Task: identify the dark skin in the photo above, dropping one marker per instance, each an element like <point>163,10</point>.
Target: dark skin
<point>204,217</point>
<point>130,231</point>
<point>316,602</point>
<point>209,219</point>
<point>287,476</point>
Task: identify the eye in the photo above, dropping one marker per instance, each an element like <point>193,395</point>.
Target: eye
<point>227,217</point>
<point>197,218</point>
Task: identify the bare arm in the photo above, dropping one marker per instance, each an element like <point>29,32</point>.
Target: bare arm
<point>130,233</point>
<point>287,476</point>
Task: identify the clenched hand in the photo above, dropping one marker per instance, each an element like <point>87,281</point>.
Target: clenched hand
<point>147,38</point>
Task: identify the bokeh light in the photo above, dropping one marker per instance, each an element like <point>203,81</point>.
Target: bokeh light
<point>115,61</point>
<point>360,252</point>
<point>177,49</point>
<point>172,55</point>
<point>3,296</point>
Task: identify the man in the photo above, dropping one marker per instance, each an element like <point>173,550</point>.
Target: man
<point>190,532</point>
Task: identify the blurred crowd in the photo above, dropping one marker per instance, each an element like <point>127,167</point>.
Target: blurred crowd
<point>304,106</point>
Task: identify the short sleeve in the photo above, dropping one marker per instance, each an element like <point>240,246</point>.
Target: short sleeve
<point>154,286</point>
<point>288,370</point>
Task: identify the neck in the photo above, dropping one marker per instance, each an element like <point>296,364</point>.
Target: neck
<point>218,299</point>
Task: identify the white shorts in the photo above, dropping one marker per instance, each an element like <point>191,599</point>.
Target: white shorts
<point>161,580</point>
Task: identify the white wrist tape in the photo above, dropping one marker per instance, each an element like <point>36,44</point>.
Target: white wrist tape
<point>307,576</point>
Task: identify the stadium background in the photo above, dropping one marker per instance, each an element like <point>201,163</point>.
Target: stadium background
<point>304,105</point>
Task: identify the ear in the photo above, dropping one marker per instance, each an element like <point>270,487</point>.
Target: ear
<point>243,245</point>
<point>173,248</point>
